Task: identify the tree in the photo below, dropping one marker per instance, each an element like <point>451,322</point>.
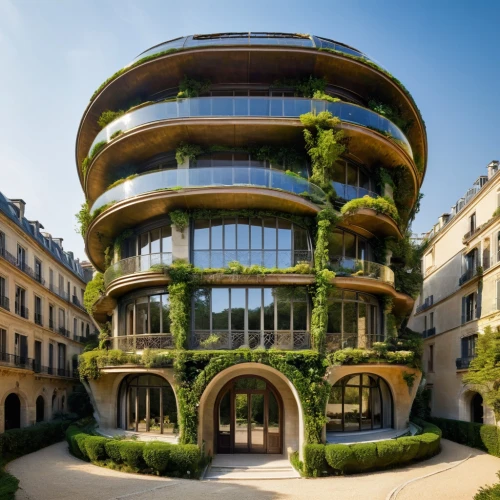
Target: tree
<point>484,370</point>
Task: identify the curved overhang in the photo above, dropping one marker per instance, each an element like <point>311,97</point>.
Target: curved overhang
<point>103,309</point>
<point>366,145</point>
<point>369,223</point>
<point>129,213</point>
<point>252,65</point>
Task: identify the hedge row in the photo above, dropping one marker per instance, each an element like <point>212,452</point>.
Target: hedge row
<point>482,436</point>
<point>18,442</point>
<point>166,459</point>
<point>334,459</point>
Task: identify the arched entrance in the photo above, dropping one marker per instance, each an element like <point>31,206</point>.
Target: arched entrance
<point>476,409</point>
<point>146,403</point>
<point>40,409</point>
<point>12,412</point>
<point>359,402</point>
<point>248,417</point>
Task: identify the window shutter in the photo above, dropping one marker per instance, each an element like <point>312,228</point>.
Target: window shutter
<point>463,310</point>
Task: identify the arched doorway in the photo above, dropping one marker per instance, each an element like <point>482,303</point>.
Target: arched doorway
<point>146,403</point>
<point>359,402</point>
<point>476,409</point>
<point>248,417</point>
<point>12,412</point>
<point>40,409</point>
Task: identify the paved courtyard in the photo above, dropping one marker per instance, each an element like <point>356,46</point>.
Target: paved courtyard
<point>53,474</point>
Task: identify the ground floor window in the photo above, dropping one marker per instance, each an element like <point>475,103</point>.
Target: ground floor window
<point>476,409</point>
<point>12,412</point>
<point>359,402</point>
<point>147,404</point>
<point>40,409</point>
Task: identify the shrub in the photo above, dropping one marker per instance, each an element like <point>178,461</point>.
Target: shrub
<point>409,448</point>
<point>297,464</point>
<point>388,453</point>
<point>429,445</point>
<point>157,456</point>
<point>339,457</point>
<point>184,459</point>
<point>131,453</point>
<point>314,460</point>
<point>8,485</point>
<point>80,443</point>
<point>95,447</point>
<point>112,448</point>
<point>489,492</point>
<point>108,116</point>
<point>365,455</point>
<point>383,205</point>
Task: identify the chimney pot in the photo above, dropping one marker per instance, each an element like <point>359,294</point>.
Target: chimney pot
<point>20,205</point>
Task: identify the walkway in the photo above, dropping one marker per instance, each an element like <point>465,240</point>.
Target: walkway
<point>53,474</point>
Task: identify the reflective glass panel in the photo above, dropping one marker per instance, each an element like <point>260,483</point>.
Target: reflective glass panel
<point>238,309</point>
<point>254,308</point>
<point>220,308</point>
<point>141,315</point>
<point>155,314</point>
<point>202,309</point>
<point>165,312</point>
<point>268,309</point>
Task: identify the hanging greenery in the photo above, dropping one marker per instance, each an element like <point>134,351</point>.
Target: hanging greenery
<point>180,219</point>
<point>109,116</point>
<point>190,87</point>
<point>83,219</point>
<point>93,291</point>
<point>381,204</point>
<point>303,87</point>
<point>187,151</point>
<point>391,113</point>
<point>118,243</point>
<point>323,144</point>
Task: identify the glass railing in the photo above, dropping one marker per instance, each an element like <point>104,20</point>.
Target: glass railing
<point>210,177</point>
<point>250,38</point>
<point>250,257</point>
<point>138,264</point>
<point>348,192</point>
<point>275,107</point>
<point>356,268</point>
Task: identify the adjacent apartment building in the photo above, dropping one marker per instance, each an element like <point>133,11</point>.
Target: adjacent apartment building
<point>460,296</point>
<point>195,153</point>
<point>42,320</point>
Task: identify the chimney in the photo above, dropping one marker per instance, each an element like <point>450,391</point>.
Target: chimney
<point>36,225</point>
<point>20,205</point>
<point>49,237</point>
<point>492,168</point>
<point>58,241</point>
<point>71,255</point>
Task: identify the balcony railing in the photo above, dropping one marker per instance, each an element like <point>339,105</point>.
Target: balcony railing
<point>472,232</point>
<point>467,276</point>
<point>21,311</point>
<point>345,266</point>
<point>63,331</point>
<point>267,258</point>
<point>4,302</point>
<point>204,177</point>
<point>52,325</point>
<point>16,361</point>
<point>131,343</point>
<point>272,107</point>
<point>266,339</point>
<point>50,370</point>
<point>38,319</point>
<point>429,301</point>
<point>463,363</point>
<point>137,264</point>
<point>77,303</point>
<point>429,333</point>
<point>336,341</point>
<point>348,192</point>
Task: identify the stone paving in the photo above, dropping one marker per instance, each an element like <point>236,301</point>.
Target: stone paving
<point>53,474</point>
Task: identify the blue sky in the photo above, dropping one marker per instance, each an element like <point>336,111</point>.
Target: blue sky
<point>55,53</point>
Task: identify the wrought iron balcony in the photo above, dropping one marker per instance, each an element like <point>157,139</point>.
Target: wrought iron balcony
<point>345,266</point>
<point>468,275</point>
<point>38,319</point>
<point>137,264</point>
<point>52,325</point>
<point>50,370</point>
<point>16,361</point>
<point>131,343</point>
<point>429,301</point>
<point>21,311</point>
<point>429,333</point>
<point>64,331</point>
<point>4,302</point>
<point>265,339</point>
<point>77,303</point>
<point>336,341</point>
<point>463,363</point>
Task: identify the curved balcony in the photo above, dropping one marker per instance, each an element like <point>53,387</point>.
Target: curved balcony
<point>138,264</point>
<point>369,223</point>
<point>348,192</point>
<point>272,107</point>
<point>210,177</point>
<point>355,268</point>
<point>132,343</point>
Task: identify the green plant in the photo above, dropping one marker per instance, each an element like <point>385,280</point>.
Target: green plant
<point>496,213</point>
<point>8,485</point>
<point>187,151</point>
<point>324,97</point>
<point>409,448</point>
<point>314,460</point>
<point>489,492</point>
<point>339,457</point>
<point>121,181</point>
<point>190,87</point>
<point>112,448</point>
<point>157,456</point>
<point>93,291</point>
<point>108,116</point>
<point>303,87</point>
<point>94,447</point>
<point>180,219</point>
<point>131,453</point>
<point>388,453</point>
<point>212,340</point>
<point>115,134</point>
<point>297,464</point>
<point>90,362</point>
<point>323,144</point>
<point>409,378</point>
<point>383,205</point>
<point>185,460</point>
<point>392,114</point>
<point>83,219</point>
<point>365,455</point>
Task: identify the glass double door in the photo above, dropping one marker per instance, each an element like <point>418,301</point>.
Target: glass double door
<point>249,418</point>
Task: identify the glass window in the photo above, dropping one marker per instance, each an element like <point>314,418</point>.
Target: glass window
<point>202,309</point>
<point>220,308</point>
<point>155,314</point>
<point>141,315</point>
<point>238,309</point>
<point>254,308</point>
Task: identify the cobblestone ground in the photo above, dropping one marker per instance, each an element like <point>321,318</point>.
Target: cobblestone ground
<point>53,474</point>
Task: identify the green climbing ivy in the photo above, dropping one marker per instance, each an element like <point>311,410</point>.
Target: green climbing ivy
<point>180,219</point>
<point>93,291</point>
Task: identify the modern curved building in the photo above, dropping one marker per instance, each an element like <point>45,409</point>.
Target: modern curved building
<point>195,153</point>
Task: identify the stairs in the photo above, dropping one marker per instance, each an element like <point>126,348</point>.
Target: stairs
<point>227,467</point>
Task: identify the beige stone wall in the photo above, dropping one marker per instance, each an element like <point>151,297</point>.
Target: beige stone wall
<point>29,387</point>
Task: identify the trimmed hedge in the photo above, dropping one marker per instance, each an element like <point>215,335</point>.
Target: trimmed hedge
<point>163,458</point>
<point>362,457</point>
<point>8,485</point>
<point>482,436</point>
